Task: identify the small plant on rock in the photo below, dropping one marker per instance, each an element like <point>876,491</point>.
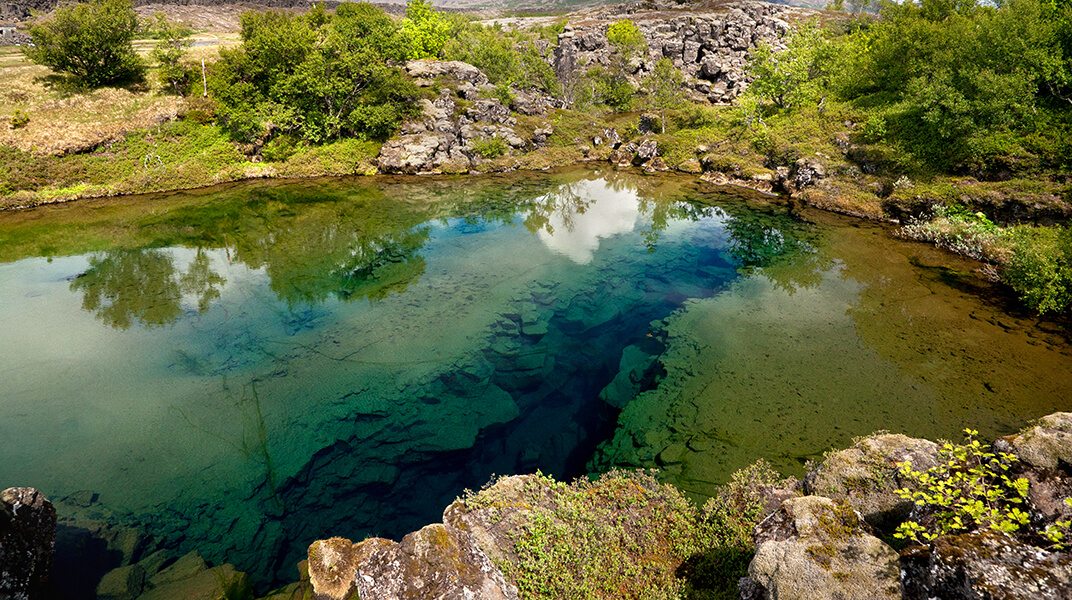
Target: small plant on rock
<point>968,490</point>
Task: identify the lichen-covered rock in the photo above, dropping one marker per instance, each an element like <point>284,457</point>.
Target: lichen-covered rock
<point>425,71</point>
<point>812,548</point>
<point>1045,445</point>
<point>985,565</point>
<point>443,138</point>
<point>708,44</point>
<point>647,150</point>
<point>867,474</point>
<point>27,543</point>
<point>438,561</point>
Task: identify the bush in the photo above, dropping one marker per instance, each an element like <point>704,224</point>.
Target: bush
<point>316,77</point>
<point>490,147</point>
<point>91,41</point>
<point>169,52</point>
<point>968,490</point>
<point>958,230</point>
<point>1040,269</point>
<point>425,30</point>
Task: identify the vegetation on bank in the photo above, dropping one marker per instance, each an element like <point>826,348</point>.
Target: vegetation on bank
<point>934,113</point>
<point>627,535</point>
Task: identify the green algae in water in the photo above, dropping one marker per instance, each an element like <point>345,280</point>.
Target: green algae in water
<point>248,369</point>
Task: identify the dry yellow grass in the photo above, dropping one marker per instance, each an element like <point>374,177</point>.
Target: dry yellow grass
<point>63,122</point>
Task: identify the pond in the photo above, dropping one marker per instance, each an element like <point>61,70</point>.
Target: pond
<point>246,369</point>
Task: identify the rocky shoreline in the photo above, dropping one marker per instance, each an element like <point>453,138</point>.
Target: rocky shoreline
<point>829,535</point>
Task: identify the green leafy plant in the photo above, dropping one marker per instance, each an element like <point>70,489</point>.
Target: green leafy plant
<point>425,29</point>
<point>490,147</point>
<point>1040,269</point>
<point>19,119</point>
<point>969,489</point>
<point>174,42</point>
<point>91,41</point>
<point>1058,532</point>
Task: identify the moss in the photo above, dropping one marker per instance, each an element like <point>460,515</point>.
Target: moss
<point>838,523</point>
<point>823,554</point>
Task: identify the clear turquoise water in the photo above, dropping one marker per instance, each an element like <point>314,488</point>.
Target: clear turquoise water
<point>247,369</point>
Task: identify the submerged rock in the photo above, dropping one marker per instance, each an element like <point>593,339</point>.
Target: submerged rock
<point>27,542</point>
<point>813,548</point>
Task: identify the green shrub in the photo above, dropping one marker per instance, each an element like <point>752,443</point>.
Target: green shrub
<point>91,41</point>
<point>1040,269</point>
<point>317,76</point>
<point>169,52</point>
<point>425,30</point>
<point>490,147</point>
<point>967,490</point>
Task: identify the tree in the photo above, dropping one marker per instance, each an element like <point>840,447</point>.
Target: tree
<point>793,76</point>
<point>91,41</point>
<point>612,84</point>
<point>425,29</point>
<point>169,52</point>
<point>315,77</point>
<point>664,88</point>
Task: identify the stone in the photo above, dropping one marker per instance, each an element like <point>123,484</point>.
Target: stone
<point>814,549</point>
<point>1045,445</point>
<point>655,165</point>
<point>211,584</point>
<point>648,123</point>
<point>153,563</point>
<point>124,583</point>
<point>867,474</point>
<point>27,542</point>
<point>613,139</point>
<point>647,150</point>
<point>425,71</point>
<point>188,566</point>
<point>529,103</point>
<point>438,561</point>
<point>806,172</point>
<point>332,564</point>
<point>985,564</point>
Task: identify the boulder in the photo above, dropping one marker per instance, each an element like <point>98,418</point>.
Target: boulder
<point>806,172</point>
<point>411,154</point>
<point>186,567</point>
<point>1045,460</point>
<point>425,71</point>
<point>438,561</point>
<point>27,542</point>
<point>812,548</point>
<point>985,564</point>
<point>867,474</point>
<point>211,584</point>
<point>124,583</point>
<point>1045,445</point>
<point>647,150</point>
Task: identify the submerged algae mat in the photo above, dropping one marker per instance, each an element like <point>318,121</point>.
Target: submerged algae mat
<point>882,335</point>
<point>246,369</point>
